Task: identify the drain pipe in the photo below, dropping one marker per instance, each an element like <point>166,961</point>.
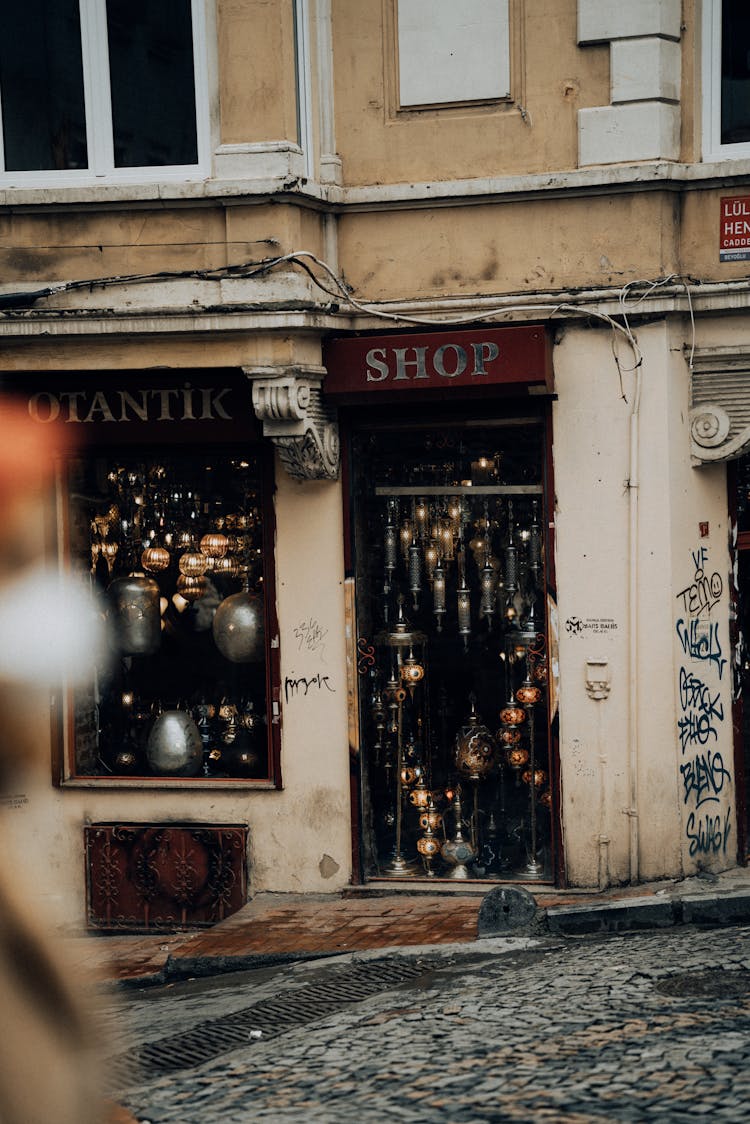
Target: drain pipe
<point>633,725</point>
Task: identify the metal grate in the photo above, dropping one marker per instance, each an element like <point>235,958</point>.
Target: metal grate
<point>714,983</point>
<point>271,1017</point>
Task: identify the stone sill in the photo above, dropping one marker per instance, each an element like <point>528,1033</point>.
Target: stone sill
<point>599,179</point>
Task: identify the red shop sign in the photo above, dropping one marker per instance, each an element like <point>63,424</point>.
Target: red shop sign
<point>475,357</point>
<point>734,230</point>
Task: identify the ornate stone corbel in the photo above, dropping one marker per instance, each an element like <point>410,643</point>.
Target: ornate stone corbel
<point>289,403</point>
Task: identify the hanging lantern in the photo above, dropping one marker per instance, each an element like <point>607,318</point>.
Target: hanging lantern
<point>155,559</point>
<point>191,586</point>
<point>226,566</point>
<point>475,751</point>
<point>135,615</point>
<point>528,695</point>
<point>539,777</point>
<point>446,540</point>
<point>390,548</point>
<point>545,798</point>
<point>108,550</point>
<point>415,572</point>
<point>463,604</point>
<point>238,628</point>
<point>430,818</point>
<point>508,736</point>
<point>512,715</point>
<point>421,518</point>
<point>438,595</point>
<point>193,564</point>
<point>409,774</point>
<point>412,672</point>
<point>420,796</point>
<point>487,592</point>
<point>406,536</point>
<point>430,559</point>
<point>174,746</point>
<point>214,545</point>
<point>517,757</point>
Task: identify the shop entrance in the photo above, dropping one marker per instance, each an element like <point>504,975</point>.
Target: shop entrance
<point>458,776</point>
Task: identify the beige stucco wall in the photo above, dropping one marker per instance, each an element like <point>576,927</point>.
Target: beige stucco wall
<point>257,71</point>
<point>550,77</point>
<point>682,704</point>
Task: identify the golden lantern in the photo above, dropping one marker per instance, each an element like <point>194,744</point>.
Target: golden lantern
<point>214,545</point>
<point>539,777</point>
<point>420,796</point>
<point>512,716</point>
<point>155,559</point>
<point>517,757</point>
<point>191,586</point>
<point>430,818</point>
<point>193,564</point>
<point>508,736</point>
<point>528,695</point>
<point>227,566</point>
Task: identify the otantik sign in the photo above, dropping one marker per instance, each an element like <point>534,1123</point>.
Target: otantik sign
<point>517,355</point>
<point>112,407</point>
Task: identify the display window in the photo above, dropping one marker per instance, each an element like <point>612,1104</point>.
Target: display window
<point>165,511</point>
<point>173,541</point>
<point>449,551</point>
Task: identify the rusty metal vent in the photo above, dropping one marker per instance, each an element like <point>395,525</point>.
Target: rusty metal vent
<point>271,1017</point>
<point>717,983</point>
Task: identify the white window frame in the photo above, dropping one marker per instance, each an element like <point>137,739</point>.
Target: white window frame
<point>712,147</point>
<point>98,108</point>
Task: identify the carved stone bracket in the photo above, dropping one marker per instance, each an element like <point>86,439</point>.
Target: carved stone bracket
<point>720,401</point>
<point>289,403</point>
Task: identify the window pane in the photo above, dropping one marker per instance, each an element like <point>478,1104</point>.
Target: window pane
<point>174,544</point>
<point>153,83</point>
<point>735,72</point>
<point>41,80</point>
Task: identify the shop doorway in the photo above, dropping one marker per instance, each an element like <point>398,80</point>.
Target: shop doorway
<point>449,552</point>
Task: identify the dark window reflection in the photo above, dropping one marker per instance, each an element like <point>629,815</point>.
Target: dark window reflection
<point>41,82</point>
<point>152,83</point>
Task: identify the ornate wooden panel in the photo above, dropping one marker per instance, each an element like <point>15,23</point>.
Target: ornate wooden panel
<point>164,876</point>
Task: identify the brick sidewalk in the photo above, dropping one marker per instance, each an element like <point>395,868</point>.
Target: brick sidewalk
<point>272,925</point>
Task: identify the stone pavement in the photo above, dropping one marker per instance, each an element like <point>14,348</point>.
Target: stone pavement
<point>641,1026</point>
<point>276,927</point>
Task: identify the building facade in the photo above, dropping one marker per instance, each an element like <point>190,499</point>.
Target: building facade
<point>405,350</point>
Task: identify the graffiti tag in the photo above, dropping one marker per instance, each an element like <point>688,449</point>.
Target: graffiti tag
<point>294,688</point>
<point>709,835</point>
<point>703,778</point>
<point>700,641</point>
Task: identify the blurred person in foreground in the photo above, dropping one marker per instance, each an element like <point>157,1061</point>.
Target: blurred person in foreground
<point>48,1065</point>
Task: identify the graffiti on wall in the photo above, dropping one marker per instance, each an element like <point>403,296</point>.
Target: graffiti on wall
<point>309,638</point>
<point>705,778</point>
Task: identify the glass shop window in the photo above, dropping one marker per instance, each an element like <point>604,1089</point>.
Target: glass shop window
<point>175,543</point>
<point>449,546</point>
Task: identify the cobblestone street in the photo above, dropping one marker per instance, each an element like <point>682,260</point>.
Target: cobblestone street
<point>649,1026</point>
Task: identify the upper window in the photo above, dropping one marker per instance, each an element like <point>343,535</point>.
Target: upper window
<point>110,89</point>
<point>726,79</point>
